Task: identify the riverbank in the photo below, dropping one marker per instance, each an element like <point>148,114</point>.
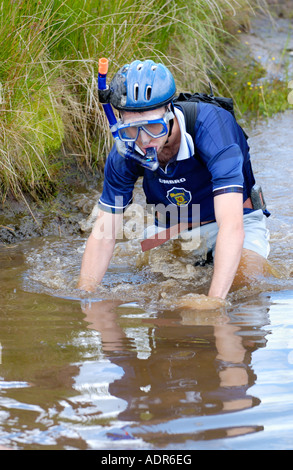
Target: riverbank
<point>22,219</point>
<point>77,193</point>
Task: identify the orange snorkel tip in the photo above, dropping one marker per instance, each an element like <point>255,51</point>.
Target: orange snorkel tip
<point>103,66</point>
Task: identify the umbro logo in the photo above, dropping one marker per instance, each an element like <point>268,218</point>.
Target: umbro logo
<point>181,180</point>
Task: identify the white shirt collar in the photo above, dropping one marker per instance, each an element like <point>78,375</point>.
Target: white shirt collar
<point>186,149</point>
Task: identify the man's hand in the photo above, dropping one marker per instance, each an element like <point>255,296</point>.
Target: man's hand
<point>88,284</point>
<point>99,250</point>
<point>201,302</point>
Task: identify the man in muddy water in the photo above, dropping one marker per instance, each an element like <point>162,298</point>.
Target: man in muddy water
<point>211,169</point>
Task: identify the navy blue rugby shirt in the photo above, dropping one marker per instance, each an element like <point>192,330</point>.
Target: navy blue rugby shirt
<point>217,160</point>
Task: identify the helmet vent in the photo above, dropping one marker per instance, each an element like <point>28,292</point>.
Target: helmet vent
<point>136,90</point>
<point>139,67</point>
<point>154,67</point>
<point>148,92</point>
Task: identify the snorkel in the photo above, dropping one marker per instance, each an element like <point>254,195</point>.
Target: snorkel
<point>127,150</point>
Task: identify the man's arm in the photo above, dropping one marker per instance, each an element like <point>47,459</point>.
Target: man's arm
<point>229,216</point>
<point>99,250</point>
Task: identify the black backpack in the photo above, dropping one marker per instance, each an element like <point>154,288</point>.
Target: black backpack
<point>187,102</point>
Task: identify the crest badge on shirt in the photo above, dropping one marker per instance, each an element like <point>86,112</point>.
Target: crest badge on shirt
<point>179,196</point>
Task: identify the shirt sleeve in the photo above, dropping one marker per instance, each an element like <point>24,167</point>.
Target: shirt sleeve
<point>120,176</point>
<point>219,144</point>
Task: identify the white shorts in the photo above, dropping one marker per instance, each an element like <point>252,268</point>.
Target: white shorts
<point>204,238</point>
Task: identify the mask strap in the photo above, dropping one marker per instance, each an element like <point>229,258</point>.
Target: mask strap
<point>171,122</point>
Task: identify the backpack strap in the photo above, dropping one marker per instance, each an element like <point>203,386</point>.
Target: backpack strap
<point>189,109</point>
<point>187,103</point>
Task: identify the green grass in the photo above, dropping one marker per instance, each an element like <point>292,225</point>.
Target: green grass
<point>49,51</point>
<point>255,95</point>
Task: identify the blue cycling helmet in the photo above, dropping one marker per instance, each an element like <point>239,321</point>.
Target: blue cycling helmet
<point>142,86</point>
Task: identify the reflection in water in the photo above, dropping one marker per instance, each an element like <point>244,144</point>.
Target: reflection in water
<point>125,368</point>
<point>104,374</point>
<point>196,365</point>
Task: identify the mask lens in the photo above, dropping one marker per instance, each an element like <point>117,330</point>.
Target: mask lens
<point>155,129</point>
<point>129,133</point>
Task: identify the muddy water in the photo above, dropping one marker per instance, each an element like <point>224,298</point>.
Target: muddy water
<point>124,368</point>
